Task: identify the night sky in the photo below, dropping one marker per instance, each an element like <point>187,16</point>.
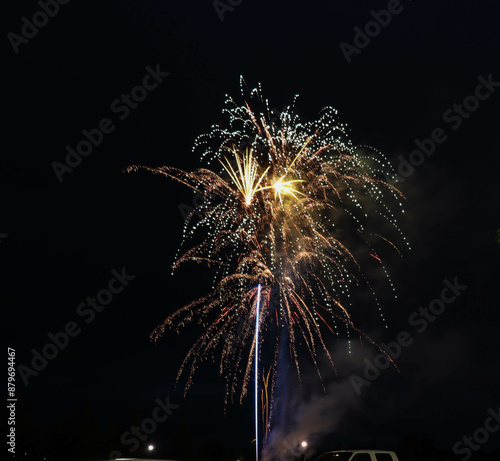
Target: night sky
<point>64,236</point>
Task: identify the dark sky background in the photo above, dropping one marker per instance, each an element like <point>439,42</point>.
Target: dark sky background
<point>63,239</point>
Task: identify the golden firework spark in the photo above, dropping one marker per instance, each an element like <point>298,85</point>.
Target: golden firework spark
<point>285,187</point>
<point>246,178</point>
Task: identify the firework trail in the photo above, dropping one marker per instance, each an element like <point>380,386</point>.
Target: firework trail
<point>274,191</point>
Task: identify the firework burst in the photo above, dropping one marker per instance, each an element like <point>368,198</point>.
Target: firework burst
<point>270,216</point>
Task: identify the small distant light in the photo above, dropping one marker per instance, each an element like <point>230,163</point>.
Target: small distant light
<point>151,447</point>
<point>304,444</point>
